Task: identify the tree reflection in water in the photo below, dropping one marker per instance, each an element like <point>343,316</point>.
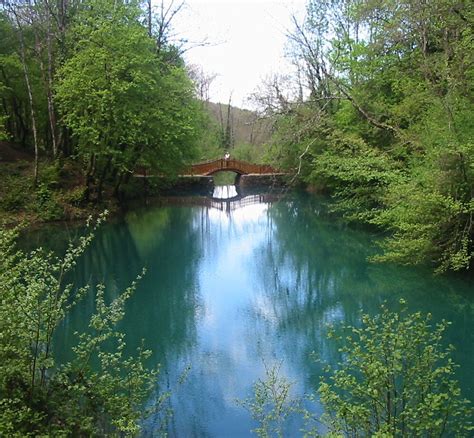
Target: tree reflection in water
<point>314,272</point>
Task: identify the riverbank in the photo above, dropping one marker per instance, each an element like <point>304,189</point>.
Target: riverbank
<point>58,196</point>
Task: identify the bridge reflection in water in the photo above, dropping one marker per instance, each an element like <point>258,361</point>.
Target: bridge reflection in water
<point>225,198</point>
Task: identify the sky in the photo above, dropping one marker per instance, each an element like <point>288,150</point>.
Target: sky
<point>245,42</point>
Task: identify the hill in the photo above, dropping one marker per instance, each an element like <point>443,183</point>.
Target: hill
<point>245,126</point>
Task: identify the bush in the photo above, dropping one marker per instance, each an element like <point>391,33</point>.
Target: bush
<point>41,398</point>
<point>14,199</point>
<point>75,196</point>
<point>397,379</point>
<point>50,175</point>
<point>16,187</point>
<point>46,205</point>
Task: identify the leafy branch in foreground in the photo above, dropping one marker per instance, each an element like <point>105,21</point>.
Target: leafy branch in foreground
<point>397,379</point>
<point>40,397</point>
<point>272,403</point>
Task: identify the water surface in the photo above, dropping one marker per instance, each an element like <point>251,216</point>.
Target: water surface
<point>233,286</point>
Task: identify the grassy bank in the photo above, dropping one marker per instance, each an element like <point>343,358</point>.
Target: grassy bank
<point>59,194</point>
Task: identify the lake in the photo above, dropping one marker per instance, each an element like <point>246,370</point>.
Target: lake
<point>233,287</point>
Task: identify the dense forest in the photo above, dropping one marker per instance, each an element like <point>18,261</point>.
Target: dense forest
<point>382,115</point>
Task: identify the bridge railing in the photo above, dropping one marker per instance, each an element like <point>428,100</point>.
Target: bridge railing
<point>231,164</point>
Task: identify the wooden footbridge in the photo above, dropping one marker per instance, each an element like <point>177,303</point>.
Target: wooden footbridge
<point>232,165</point>
<point>197,178</point>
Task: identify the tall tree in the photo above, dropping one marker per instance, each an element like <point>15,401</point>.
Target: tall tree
<point>122,101</point>
<point>23,57</point>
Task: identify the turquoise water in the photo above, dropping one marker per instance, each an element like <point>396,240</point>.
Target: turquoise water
<point>232,287</point>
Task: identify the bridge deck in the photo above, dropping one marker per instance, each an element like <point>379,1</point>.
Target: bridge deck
<point>231,165</point>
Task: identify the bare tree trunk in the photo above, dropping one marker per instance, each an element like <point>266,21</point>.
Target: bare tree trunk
<point>30,94</point>
<point>51,112</point>
<point>47,76</point>
<point>229,125</point>
<point>149,17</point>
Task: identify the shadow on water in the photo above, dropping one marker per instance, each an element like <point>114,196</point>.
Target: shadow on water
<point>233,282</point>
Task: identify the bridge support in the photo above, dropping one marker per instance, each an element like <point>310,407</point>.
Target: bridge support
<point>237,179</point>
<point>142,186</point>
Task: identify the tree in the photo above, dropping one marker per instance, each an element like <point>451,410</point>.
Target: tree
<point>227,126</point>
<point>123,104</point>
<point>3,116</point>
<point>13,93</point>
<point>39,40</point>
<point>202,81</point>
<point>104,85</point>
<point>386,125</point>
<point>27,76</point>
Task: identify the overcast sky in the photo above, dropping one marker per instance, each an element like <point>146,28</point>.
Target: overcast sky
<point>246,41</point>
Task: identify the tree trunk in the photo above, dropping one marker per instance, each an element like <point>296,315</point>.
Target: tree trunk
<point>89,176</point>
<point>149,18</point>
<point>51,112</point>
<point>30,96</point>
<point>102,179</point>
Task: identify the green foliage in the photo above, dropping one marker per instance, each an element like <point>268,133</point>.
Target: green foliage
<point>45,202</point>
<point>397,379</point>
<point>10,68</point>
<point>357,174</point>
<point>75,197</point>
<point>247,152</point>
<point>426,225</point>
<point>208,145</point>
<point>15,198</point>
<point>46,206</point>
<point>102,90</point>
<point>224,178</point>
<point>388,125</point>
<point>271,404</point>
<point>124,104</point>
<point>98,393</point>
<point>16,193</point>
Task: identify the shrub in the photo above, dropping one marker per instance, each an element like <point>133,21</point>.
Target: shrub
<point>39,397</point>
<point>46,205</point>
<point>397,379</point>
<point>75,196</point>
<point>14,199</point>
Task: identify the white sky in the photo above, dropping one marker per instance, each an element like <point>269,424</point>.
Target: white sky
<point>246,41</point>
